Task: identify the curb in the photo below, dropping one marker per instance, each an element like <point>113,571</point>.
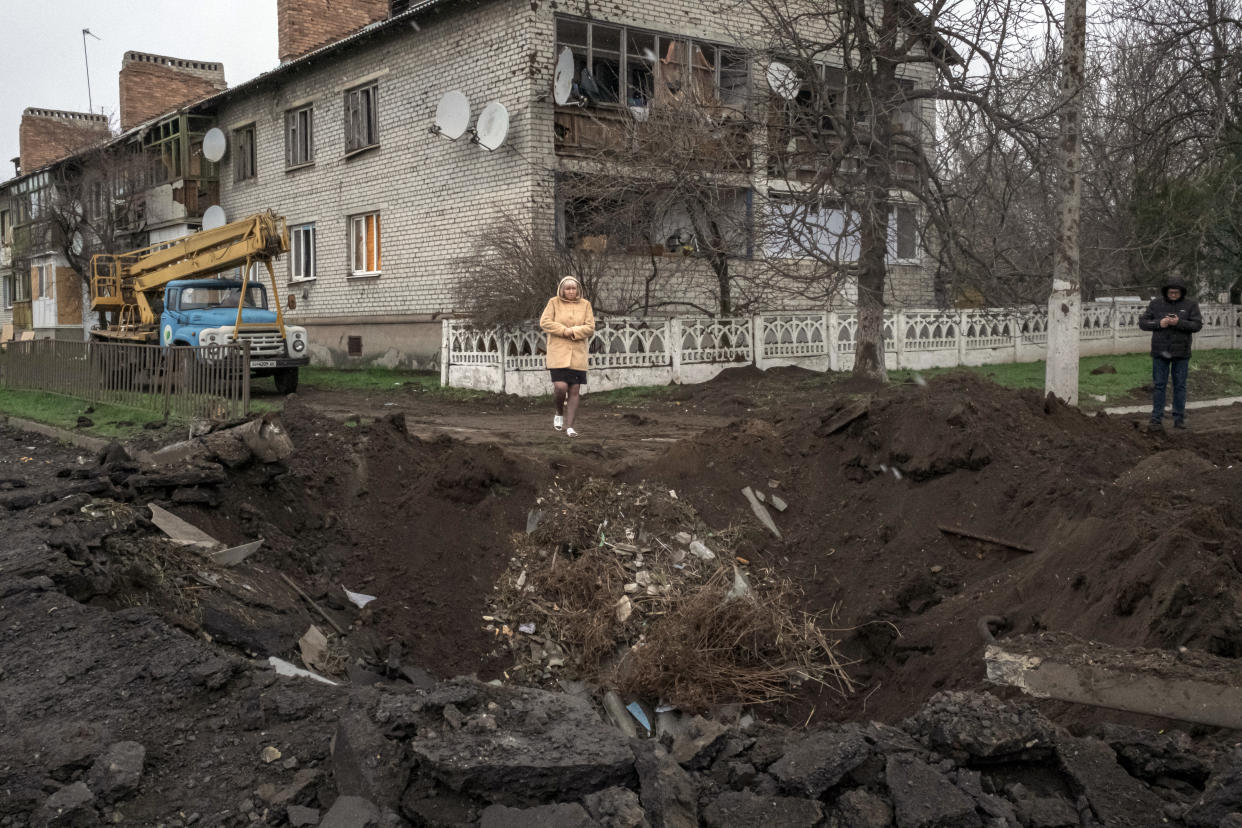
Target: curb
<point>1143,409</point>
<point>82,441</point>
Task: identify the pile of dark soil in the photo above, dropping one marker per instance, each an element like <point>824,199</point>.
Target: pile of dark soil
<point>1135,544</point>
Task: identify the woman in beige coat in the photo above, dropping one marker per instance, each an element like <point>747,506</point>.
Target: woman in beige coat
<point>569,322</point>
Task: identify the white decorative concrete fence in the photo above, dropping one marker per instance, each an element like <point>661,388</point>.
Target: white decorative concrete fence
<point>658,350</point>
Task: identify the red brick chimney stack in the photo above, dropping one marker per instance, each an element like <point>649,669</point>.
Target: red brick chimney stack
<point>154,84</point>
<point>48,135</point>
<point>305,25</point>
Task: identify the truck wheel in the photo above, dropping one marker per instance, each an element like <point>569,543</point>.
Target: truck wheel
<point>287,380</point>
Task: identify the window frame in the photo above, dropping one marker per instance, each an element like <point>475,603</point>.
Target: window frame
<point>245,154</point>
<point>299,136</point>
<point>307,229</point>
<point>47,282</point>
<point>378,261</point>
<point>353,104</point>
<point>655,40</point>
<point>892,252</point>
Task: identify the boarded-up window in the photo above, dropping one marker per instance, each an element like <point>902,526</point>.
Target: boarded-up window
<point>364,242</point>
<point>68,297</point>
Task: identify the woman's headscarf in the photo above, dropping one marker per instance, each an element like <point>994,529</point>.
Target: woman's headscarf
<point>560,287</point>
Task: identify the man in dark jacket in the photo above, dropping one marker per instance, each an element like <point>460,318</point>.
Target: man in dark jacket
<point>1172,320</point>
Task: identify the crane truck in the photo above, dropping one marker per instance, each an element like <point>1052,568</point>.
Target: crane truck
<point>174,293</point>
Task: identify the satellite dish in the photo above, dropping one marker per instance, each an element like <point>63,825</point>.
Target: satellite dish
<point>76,244</point>
<point>783,80</point>
<point>214,144</point>
<point>214,217</point>
<point>563,79</point>
<point>492,126</point>
<point>452,115</point>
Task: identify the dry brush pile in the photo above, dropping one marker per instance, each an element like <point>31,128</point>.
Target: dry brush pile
<point>625,587</point>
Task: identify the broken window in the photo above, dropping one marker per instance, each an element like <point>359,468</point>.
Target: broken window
<point>302,252</point>
<point>21,288</point>
<point>244,165</point>
<point>362,117</point>
<point>364,243</point>
<point>6,227</point>
<point>907,120</point>
<point>821,230</point>
<point>621,65</point>
<point>299,136</point>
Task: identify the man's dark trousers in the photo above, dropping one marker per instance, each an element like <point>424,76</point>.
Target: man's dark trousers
<point>1161,368</point>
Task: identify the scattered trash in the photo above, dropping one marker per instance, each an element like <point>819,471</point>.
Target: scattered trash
<point>919,380</point>
<point>672,494</point>
<point>314,648</point>
<point>284,668</point>
<point>774,484</point>
<point>761,512</point>
<point>683,538</point>
<point>779,504</point>
<point>699,550</point>
<point>740,588</point>
<point>358,599</point>
<point>760,496</point>
<point>636,710</point>
<point>236,554</point>
<point>527,629</point>
<point>181,532</point>
<point>620,716</point>
<point>270,754</point>
<point>521,581</point>
<point>896,472</point>
<point>624,608</point>
<point>533,518</point>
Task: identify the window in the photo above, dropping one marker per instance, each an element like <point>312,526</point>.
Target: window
<point>243,153</point>
<point>824,231</point>
<point>903,234</point>
<point>43,279</point>
<point>20,287</point>
<point>6,287</point>
<point>228,295</point>
<point>620,65</point>
<point>302,252</point>
<point>362,117</point>
<point>364,244</point>
<point>299,137</point>
<point>6,227</point>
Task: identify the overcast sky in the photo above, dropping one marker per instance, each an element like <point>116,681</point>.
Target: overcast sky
<point>41,49</point>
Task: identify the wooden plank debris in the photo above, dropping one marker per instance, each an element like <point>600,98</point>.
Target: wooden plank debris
<point>979,536</point>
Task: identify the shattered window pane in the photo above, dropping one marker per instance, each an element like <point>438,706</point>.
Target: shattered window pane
<point>606,62</point>
<point>640,60</point>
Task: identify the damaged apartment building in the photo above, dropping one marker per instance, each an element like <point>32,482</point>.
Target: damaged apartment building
<point>382,210</point>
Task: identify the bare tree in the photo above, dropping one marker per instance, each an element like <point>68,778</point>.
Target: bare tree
<point>95,205</point>
<point>853,140</point>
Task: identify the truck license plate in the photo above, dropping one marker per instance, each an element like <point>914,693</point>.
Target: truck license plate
<point>262,363</point>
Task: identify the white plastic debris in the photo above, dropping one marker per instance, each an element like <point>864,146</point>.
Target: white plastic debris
<point>284,668</point>
<point>699,550</point>
<point>624,609</point>
<point>357,598</point>
<point>528,628</point>
<point>740,588</point>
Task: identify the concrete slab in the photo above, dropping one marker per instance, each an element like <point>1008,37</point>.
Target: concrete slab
<point>181,532</point>
<point>1185,685</point>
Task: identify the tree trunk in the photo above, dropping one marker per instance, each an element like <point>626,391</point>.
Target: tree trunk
<point>1065,302</point>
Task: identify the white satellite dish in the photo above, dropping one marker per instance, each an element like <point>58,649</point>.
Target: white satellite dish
<point>214,144</point>
<point>783,80</point>
<point>214,217</point>
<point>77,243</point>
<point>563,79</point>
<point>452,115</point>
<point>492,127</point>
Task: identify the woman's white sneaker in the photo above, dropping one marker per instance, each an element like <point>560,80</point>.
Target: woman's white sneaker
<point>569,432</point>
<point>558,422</point>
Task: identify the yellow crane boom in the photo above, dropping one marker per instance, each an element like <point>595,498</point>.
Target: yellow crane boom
<point>123,285</point>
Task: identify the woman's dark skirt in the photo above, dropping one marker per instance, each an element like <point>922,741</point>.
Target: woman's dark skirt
<point>570,376</point>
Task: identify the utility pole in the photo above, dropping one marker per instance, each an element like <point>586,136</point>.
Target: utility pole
<point>1065,302</point>
<point>90,103</point>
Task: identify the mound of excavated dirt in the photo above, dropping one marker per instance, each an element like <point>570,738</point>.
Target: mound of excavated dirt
<point>872,482</point>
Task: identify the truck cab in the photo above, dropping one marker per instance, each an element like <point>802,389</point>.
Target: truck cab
<point>204,312</point>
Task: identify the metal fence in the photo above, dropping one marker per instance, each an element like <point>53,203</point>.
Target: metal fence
<point>211,382</point>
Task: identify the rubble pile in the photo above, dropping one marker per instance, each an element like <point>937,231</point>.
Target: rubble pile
<point>624,586</point>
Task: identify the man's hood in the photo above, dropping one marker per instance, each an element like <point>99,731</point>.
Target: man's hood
<point>1173,282</point>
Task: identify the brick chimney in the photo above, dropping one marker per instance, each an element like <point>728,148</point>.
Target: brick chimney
<point>305,25</point>
<point>48,135</point>
<point>154,84</point>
